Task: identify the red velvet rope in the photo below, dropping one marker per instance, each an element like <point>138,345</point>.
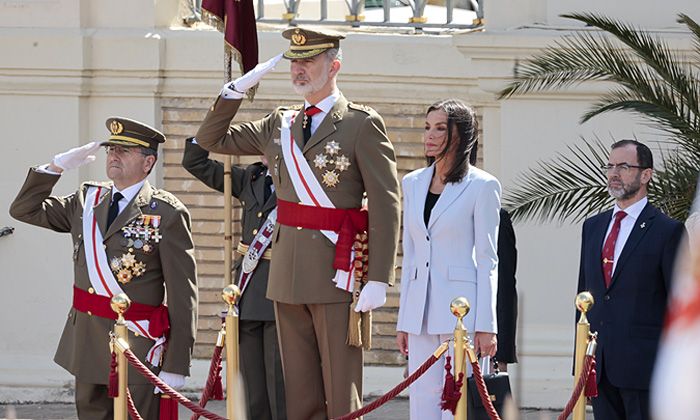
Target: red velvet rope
<point>587,366</point>
<point>156,381</point>
<point>214,371</point>
<point>393,392</point>
<point>133,412</point>
<point>483,392</point>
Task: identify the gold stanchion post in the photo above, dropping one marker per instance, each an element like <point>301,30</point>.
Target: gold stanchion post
<point>584,302</point>
<point>230,295</point>
<point>460,308</point>
<point>120,342</point>
<point>228,234</point>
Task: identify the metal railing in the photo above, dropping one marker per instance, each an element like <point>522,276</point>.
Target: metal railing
<point>441,14</point>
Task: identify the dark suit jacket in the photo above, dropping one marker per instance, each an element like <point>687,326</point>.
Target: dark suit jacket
<point>628,315</point>
<point>507,301</point>
<point>247,185</point>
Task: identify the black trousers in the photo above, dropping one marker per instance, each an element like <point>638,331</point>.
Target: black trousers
<point>613,403</point>
<point>92,402</point>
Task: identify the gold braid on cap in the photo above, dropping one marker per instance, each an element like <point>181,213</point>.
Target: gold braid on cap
<point>311,47</point>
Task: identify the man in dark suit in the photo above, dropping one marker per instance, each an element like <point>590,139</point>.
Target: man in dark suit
<point>627,258</point>
<point>259,351</point>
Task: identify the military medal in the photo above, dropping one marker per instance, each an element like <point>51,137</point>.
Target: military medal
<point>333,166</point>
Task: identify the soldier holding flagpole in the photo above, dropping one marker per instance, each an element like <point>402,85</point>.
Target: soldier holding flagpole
<point>324,158</point>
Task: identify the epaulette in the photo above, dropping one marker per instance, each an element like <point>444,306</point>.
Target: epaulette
<point>360,107</point>
<point>167,197</point>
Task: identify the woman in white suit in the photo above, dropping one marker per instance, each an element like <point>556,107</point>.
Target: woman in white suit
<point>450,232</point>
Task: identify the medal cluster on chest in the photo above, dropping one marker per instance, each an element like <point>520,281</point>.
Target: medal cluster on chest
<point>143,234</point>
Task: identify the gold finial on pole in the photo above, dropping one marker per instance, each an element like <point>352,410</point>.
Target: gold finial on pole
<point>584,301</point>
<point>460,308</point>
<point>120,304</point>
<point>230,295</point>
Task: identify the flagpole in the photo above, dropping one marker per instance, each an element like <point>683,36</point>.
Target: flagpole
<point>228,197</point>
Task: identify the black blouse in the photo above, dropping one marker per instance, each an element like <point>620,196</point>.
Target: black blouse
<point>430,201</point>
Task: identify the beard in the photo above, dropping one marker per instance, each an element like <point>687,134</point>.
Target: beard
<point>310,86</point>
<point>625,191</point>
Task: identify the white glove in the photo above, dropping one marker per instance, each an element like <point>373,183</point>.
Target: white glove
<point>175,380</point>
<point>238,88</point>
<point>76,157</point>
<point>372,296</point>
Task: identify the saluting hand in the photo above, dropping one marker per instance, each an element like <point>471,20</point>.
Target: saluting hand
<point>74,158</point>
<point>238,88</point>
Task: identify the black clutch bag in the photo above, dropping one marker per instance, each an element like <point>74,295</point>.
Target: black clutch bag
<point>498,386</point>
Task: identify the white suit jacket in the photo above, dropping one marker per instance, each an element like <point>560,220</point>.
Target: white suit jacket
<point>454,256</point>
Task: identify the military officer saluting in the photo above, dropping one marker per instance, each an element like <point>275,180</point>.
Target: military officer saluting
<point>127,237</point>
<point>261,367</point>
<point>323,159</point>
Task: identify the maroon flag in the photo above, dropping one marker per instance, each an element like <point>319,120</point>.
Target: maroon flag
<point>236,19</point>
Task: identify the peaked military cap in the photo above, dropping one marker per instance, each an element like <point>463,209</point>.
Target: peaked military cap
<point>131,133</point>
<point>307,43</point>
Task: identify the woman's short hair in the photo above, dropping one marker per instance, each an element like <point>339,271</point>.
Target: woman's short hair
<point>462,134</point>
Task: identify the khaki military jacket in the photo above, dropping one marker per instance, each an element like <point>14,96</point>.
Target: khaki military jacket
<point>83,349</point>
<point>302,262</point>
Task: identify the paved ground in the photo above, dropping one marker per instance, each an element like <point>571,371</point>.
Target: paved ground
<point>396,409</point>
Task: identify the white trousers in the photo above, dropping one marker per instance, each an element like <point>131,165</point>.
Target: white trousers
<point>426,392</point>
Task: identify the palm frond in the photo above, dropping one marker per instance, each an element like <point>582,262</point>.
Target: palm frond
<point>653,52</point>
<point>649,71</point>
<point>673,187</point>
<point>569,187</point>
<point>694,29</point>
<point>660,117</point>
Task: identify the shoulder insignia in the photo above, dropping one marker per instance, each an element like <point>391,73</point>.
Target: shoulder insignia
<point>168,198</point>
<point>360,107</point>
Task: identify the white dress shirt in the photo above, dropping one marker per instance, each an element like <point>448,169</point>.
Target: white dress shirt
<point>129,193</point>
<point>626,226</point>
<point>325,106</point>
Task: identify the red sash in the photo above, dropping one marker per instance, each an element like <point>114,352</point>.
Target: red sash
<point>97,305</point>
<point>345,222</point>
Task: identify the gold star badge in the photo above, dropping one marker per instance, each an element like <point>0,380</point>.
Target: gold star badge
<point>332,147</point>
<point>331,179</point>
<point>321,161</point>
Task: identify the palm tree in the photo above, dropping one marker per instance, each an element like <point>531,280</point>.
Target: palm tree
<point>650,80</point>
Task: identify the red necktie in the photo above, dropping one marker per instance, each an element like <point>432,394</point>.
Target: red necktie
<point>609,248</point>
<point>306,123</point>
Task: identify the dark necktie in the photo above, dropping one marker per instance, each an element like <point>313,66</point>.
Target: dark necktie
<point>268,187</point>
<point>114,208</point>
<point>306,123</point>
<point>609,248</point>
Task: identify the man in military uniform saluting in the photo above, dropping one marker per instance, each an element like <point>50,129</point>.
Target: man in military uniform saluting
<point>323,159</point>
<point>260,362</point>
<point>127,237</point>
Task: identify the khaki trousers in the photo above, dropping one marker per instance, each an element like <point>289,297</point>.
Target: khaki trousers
<point>322,374</point>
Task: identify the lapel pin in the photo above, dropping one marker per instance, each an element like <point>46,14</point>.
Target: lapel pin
<point>643,225</point>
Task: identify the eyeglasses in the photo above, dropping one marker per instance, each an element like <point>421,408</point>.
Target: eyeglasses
<point>121,150</point>
<point>620,167</point>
